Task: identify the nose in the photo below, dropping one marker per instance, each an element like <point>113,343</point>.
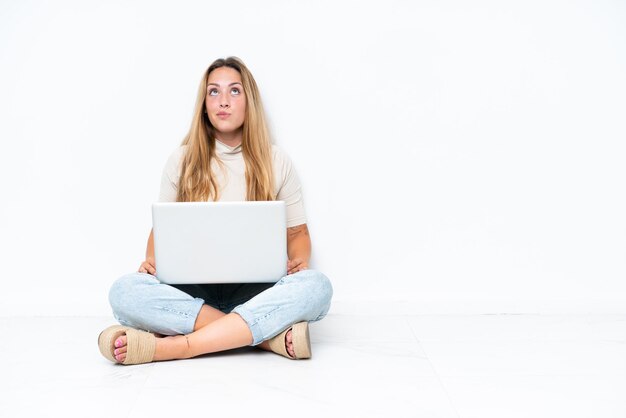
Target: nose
<point>224,102</point>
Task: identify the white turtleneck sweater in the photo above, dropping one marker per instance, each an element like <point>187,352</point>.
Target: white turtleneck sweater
<point>232,179</point>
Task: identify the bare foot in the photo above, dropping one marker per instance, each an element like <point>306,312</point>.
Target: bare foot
<point>167,348</point>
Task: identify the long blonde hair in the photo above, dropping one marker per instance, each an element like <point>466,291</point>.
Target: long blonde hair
<point>197,182</point>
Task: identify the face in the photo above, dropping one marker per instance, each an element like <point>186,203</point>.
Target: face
<point>225,101</point>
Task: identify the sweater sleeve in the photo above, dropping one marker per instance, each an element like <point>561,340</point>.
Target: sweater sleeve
<point>289,188</point>
<point>170,176</point>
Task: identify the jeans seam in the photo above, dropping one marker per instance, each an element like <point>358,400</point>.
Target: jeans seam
<point>262,318</point>
<point>186,315</point>
<point>254,324</point>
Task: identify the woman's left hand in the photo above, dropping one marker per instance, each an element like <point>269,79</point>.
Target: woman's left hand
<point>295,265</point>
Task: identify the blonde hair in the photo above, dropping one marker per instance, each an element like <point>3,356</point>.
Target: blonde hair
<point>197,182</point>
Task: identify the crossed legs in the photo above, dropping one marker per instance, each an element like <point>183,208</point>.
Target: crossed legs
<point>213,331</point>
<point>139,300</point>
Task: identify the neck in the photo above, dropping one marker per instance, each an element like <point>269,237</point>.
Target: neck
<point>232,139</point>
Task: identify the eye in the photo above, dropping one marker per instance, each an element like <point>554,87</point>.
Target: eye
<point>235,89</point>
<point>211,92</point>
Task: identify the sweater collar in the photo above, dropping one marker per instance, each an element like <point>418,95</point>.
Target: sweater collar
<point>226,151</point>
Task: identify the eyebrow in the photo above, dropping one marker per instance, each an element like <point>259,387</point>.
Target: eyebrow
<point>231,84</point>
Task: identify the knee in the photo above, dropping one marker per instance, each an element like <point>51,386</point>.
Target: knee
<point>123,292</point>
<point>318,286</point>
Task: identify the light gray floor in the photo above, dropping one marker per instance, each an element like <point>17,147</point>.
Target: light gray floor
<point>362,366</point>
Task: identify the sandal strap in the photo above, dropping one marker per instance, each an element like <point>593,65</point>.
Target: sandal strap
<point>277,344</point>
<point>300,340</point>
<point>141,346</point>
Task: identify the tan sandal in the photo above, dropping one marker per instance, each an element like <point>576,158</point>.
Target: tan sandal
<point>140,345</point>
<point>300,340</point>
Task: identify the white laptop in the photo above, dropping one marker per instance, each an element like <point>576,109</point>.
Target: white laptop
<point>220,242</point>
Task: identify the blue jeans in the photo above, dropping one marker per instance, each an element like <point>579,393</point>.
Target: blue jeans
<point>141,301</point>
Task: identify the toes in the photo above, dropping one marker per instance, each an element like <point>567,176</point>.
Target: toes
<point>289,344</point>
<point>120,350</point>
<point>121,342</point>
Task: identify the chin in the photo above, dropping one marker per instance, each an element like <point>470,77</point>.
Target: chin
<point>228,128</point>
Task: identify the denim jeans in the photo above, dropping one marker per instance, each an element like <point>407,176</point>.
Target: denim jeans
<point>141,301</point>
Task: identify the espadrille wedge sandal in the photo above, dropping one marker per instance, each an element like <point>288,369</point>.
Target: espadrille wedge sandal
<point>140,345</point>
<point>300,340</point>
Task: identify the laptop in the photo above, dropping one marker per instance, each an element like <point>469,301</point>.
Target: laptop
<point>220,242</point>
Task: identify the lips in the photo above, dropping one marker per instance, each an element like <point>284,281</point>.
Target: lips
<point>223,114</point>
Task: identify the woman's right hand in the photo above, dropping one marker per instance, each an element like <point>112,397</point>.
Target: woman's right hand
<point>148,266</point>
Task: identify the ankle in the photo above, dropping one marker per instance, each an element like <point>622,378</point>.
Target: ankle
<point>184,347</point>
<point>187,348</point>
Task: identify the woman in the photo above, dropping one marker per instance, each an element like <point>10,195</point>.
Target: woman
<point>227,155</point>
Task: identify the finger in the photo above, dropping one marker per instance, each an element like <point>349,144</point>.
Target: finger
<point>302,267</point>
<point>152,270</point>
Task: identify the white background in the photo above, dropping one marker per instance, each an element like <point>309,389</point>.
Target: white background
<point>455,156</point>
